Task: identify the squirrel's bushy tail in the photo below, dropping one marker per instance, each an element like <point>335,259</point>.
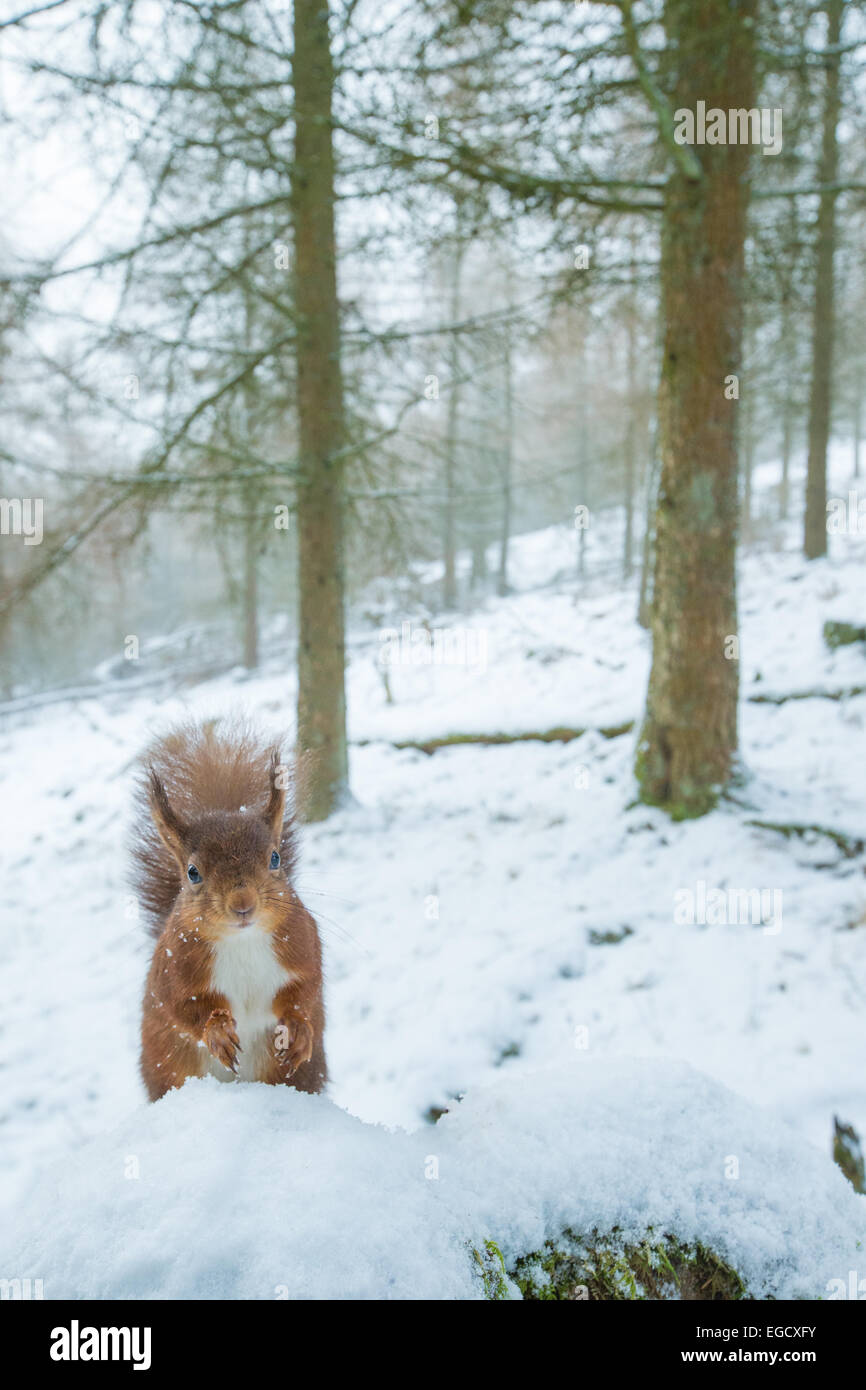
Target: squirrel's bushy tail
<point>216,765</point>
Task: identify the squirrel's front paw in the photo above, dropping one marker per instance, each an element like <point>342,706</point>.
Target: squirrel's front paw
<point>293,1042</point>
<point>221,1039</point>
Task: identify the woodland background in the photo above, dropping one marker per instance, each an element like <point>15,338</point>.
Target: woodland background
<point>293,306</point>
<point>336,337</point>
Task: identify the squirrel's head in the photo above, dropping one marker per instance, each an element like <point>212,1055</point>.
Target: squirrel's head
<point>229,862</point>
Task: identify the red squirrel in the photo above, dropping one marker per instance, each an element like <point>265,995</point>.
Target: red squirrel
<point>235,985</point>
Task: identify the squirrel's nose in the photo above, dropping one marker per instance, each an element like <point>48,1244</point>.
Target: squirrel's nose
<point>242,903</point>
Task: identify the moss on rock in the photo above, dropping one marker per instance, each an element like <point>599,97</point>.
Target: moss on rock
<point>605,1267</point>
<point>494,1276</point>
<point>839,634</point>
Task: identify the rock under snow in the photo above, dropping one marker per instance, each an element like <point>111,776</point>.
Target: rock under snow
<point>253,1192</point>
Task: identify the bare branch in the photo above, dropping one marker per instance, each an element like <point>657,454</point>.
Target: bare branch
<point>686,158</point>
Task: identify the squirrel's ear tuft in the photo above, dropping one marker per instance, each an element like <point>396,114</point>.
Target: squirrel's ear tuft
<point>276,807</point>
<point>173,832</point>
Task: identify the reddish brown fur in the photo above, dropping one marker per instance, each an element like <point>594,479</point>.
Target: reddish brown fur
<point>194,784</point>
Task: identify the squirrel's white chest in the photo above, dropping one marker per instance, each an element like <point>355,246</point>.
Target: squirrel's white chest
<point>246,970</point>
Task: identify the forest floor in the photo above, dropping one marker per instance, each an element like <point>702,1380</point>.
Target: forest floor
<point>489,909</point>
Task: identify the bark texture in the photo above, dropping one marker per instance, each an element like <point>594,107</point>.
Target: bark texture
<point>820,393</point>
<point>321,633</point>
<point>689,736</point>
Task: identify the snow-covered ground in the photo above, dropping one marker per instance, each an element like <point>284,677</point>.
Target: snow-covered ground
<point>487,911</point>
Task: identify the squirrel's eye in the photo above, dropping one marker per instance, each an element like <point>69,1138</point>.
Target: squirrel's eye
<point>193,874</point>
<point>275,860</point>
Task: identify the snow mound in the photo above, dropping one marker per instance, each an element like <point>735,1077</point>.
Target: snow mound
<point>253,1192</point>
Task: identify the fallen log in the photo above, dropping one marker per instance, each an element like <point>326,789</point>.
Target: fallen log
<point>848,693</point>
<point>560,734</point>
<point>850,845</point>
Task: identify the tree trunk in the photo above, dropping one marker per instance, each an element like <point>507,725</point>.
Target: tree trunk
<point>820,394</point>
<point>253,519</point>
<point>449,515</point>
<point>252,539</point>
<point>630,437</point>
<point>747,454</point>
<point>582,464</point>
<point>478,576</point>
<point>6,661</point>
<point>507,469</point>
<point>647,564</point>
<point>858,419</point>
<point>689,736</point>
<point>648,544</point>
<point>785,484</point>
<point>321,435</point>
<point>787,409</point>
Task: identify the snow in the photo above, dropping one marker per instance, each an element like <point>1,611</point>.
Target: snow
<point>255,1192</point>
<point>470,905</point>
